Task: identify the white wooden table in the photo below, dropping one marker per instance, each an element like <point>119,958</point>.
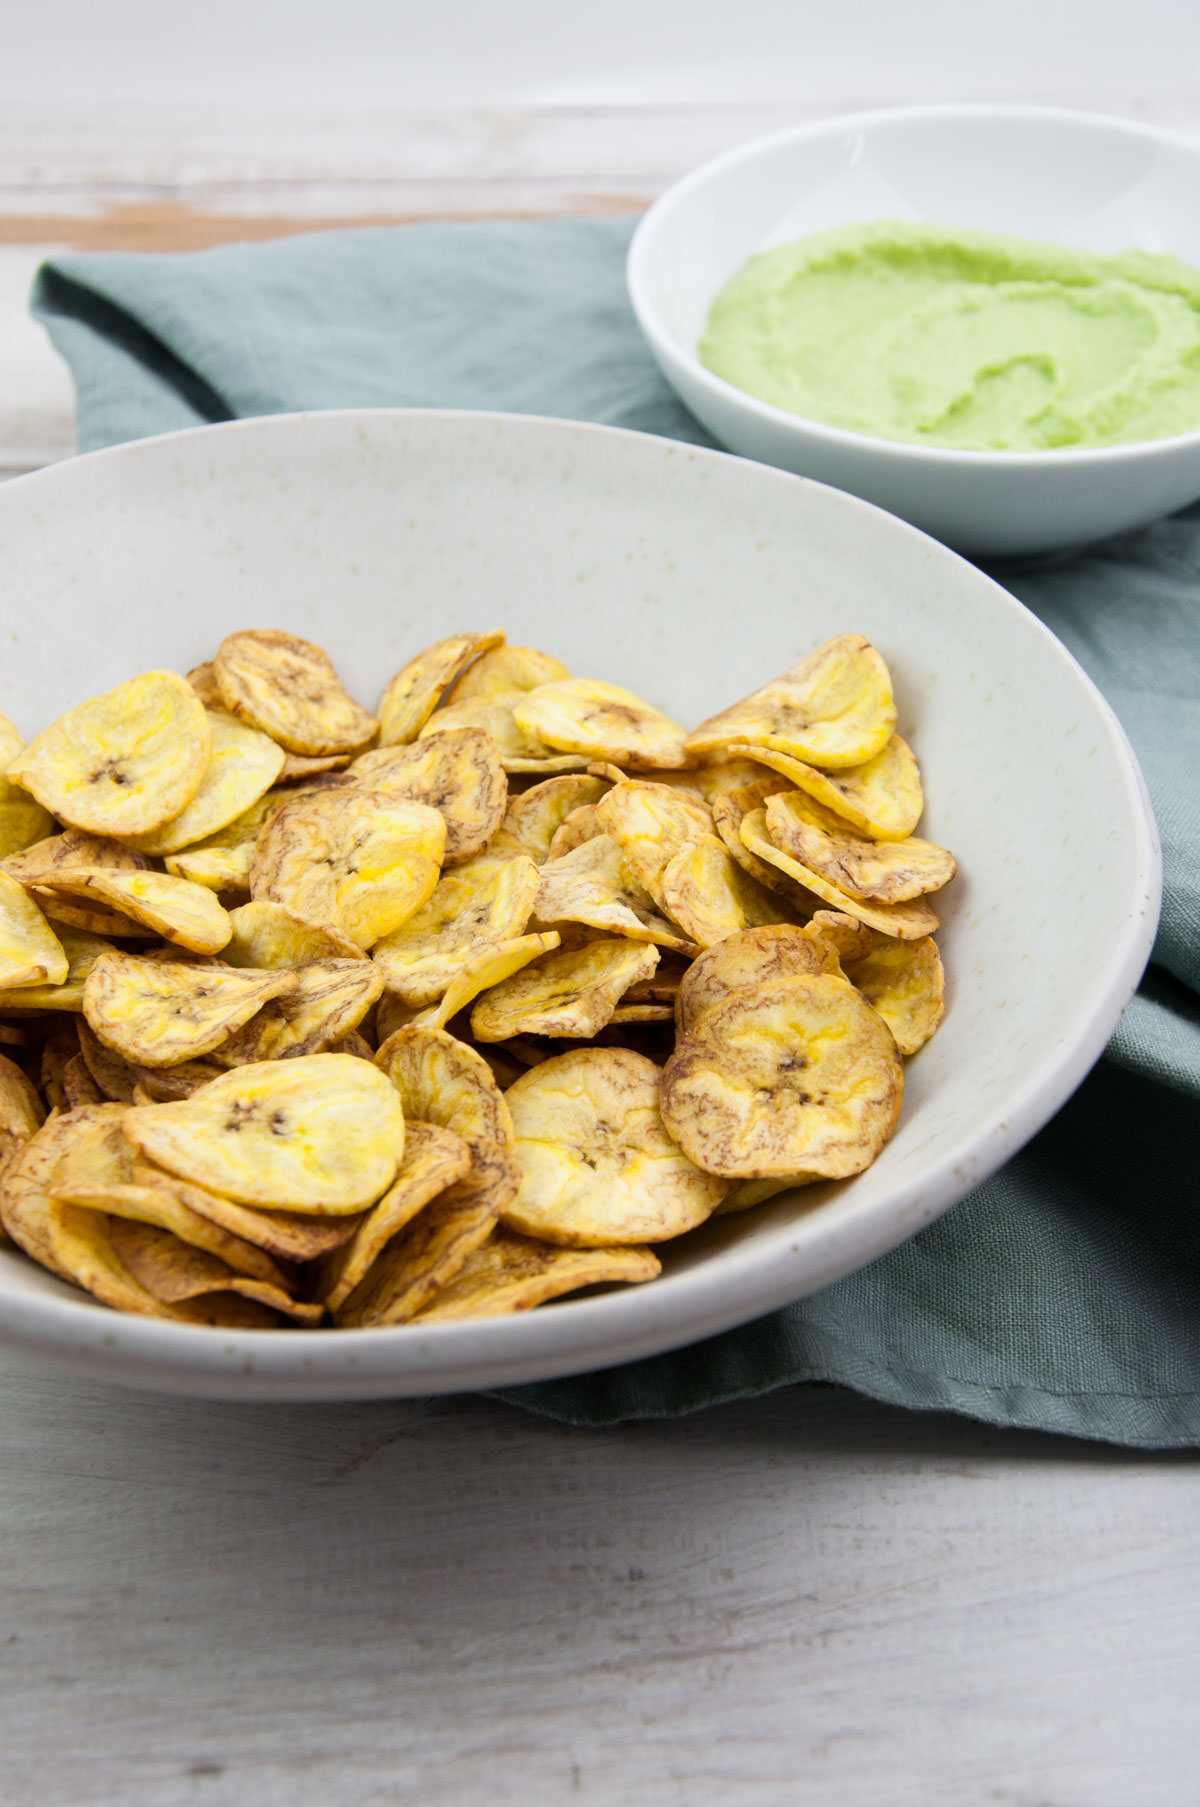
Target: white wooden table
<point>804,1599</point>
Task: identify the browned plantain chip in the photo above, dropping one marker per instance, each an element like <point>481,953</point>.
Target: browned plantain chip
<point>706,891</point>
<point>907,921</point>
<point>743,961</point>
<point>174,908</point>
<point>572,992</point>
<point>160,1013</point>
<point>434,1159</point>
<point>412,695</point>
<point>882,798</point>
<point>440,1080</point>
<point>534,818</point>
<point>582,715</point>
<point>173,1271</point>
<point>25,1200</point>
<point>289,1235</point>
<point>794,1075</point>
<point>593,885</point>
<point>883,871</point>
<point>327,1001</point>
<point>288,688</point>
<point>457,772</point>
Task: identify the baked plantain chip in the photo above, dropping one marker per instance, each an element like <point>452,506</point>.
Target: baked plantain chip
<point>440,1080</point>
<point>596,1163</point>
<point>30,951</point>
<point>485,901</point>
<point>834,709</point>
<point>743,961</point>
<point>533,819</point>
<point>325,1003</point>
<point>504,670</point>
<point>159,1013</point>
<point>455,771</point>
<point>434,1159</point>
<point>706,891</point>
<point>905,982</point>
<point>511,1273</point>
<point>584,715</point>
<point>414,693</point>
<point>907,921</point>
<point>242,766</point>
<point>288,689</point>
<point>572,992</point>
<point>884,871</point>
<point>593,885</point>
<point>882,799</point>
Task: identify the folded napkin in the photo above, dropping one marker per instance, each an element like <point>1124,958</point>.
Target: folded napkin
<point>1063,1294</point>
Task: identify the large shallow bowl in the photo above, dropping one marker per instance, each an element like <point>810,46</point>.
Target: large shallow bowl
<point>691,577</point>
<point>1040,173</point>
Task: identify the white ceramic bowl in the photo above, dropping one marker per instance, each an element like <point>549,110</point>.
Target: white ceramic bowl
<point>1070,178</point>
<point>691,577</point>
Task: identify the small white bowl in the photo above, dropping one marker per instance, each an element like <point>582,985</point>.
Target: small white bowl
<point>1038,173</point>
<point>691,577</point>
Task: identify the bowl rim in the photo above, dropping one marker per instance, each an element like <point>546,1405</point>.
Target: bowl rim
<point>666,346</point>
<point>293,1364</point>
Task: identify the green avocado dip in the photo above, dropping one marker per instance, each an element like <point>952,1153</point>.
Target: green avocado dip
<point>942,336</point>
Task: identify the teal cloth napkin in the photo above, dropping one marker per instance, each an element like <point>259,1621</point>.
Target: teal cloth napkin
<point>1063,1294</point>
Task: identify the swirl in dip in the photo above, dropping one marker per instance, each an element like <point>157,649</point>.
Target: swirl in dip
<point>945,336</point>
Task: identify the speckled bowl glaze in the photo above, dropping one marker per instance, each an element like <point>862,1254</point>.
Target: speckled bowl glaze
<point>1034,172</point>
<point>691,577</point>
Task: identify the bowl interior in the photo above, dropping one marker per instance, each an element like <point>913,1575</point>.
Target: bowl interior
<point>690,577</point>
<point>1072,179</point>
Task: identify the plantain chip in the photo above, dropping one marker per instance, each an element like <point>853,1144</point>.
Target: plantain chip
<point>242,766</point>
<point>175,908</point>
<point>160,1013</point>
<point>583,824</point>
<point>82,1248</point>
<point>440,1080</point>
<point>905,982</point>
<point>203,680</point>
<point>730,810</point>
<point>357,861</point>
<point>595,1162</point>
<point>288,689</point>
<point>652,823</point>
<point>840,938</point>
<point>123,763</point>
<point>570,993</point>
<point>25,1199</point>
<point>884,871</point>
<point>533,819</point>
<point>455,771</point>
<point>325,1003</point>
<point>834,709</point>
<point>906,921</point>
<point>173,1270</point>
<point>743,961</point>
<point>882,799</point>
<point>710,895</point>
<point>518,750</point>
<point>78,1085</point>
<point>321,1133</point>
<point>163,1085</point>
<point>504,670</point>
<point>267,934</point>
<point>796,1074</point>
<point>288,1235</point>
<point>414,693</point>
<point>433,1247</point>
<point>434,1158</point>
<point>23,821</point>
<point>511,1273</point>
<point>487,900</point>
<point>30,951</point>
<point>582,715</point>
<point>22,1112</point>
<point>491,965</point>
<point>593,885</point>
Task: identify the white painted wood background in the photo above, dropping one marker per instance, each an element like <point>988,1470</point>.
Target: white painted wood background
<point>805,1600</point>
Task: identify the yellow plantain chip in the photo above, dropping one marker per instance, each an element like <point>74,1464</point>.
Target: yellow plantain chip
<point>22,820</point>
<point>503,670</point>
<point>493,715</point>
<point>174,908</point>
<point>440,1080</point>
<point>289,1235</point>
<point>82,1248</point>
<point>595,1162</point>
<point>730,810</point>
<point>162,1012</point>
<point>357,861</point>
<point>321,1133</point>
<point>583,824</point>
<point>840,938</point>
<point>25,1200</point>
<point>455,771</point>
<point>222,870</point>
<point>534,818</point>
<point>833,709</point>
<point>710,896</point>
<point>242,766</point>
<point>489,899</point>
<point>584,715</point>
<point>511,1273</point>
<point>173,1270</point>
<point>21,1110</point>
<point>905,982</point>
<point>572,992</point>
<point>300,765</point>
<point>30,951</point>
<point>745,1194</point>
<point>743,961</point>
<point>651,824</point>
<point>434,1246</point>
<point>592,884</point>
<point>434,1159</point>
<point>494,962</point>
<point>326,1002</point>
<point>412,695</point>
<point>886,871</point>
<point>796,1074</point>
<point>289,690</point>
<point>40,867</point>
<point>642,1013</point>
<point>96,1169</point>
<point>882,799</point>
<point>123,763</point>
<point>266,934</point>
<point>906,921</point>
<point>82,951</point>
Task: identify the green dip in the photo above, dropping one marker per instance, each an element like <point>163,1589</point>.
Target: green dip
<point>941,336</point>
